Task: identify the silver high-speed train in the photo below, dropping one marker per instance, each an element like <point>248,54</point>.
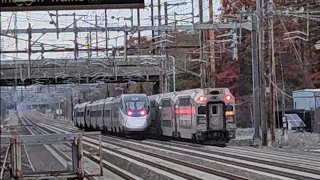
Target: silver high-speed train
<point>128,113</point>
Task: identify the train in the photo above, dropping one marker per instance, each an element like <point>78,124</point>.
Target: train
<point>126,114</point>
<point>202,115</point>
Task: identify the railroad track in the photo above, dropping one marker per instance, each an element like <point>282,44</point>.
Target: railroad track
<point>15,129</point>
<point>63,153</point>
<point>228,163</point>
<point>157,165</point>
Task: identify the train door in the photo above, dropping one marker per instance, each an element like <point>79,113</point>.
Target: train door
<point>107,117</point>
<point>75,117</point>
<point>103,118</point>
<point>155,125</point>
<point>184,117</point>
<point>99,114</point>
<point>115,116</point>
<point>216,118</point>
<point>167,117</point>
<point>230,115</point>
<point>82,116</point>
<point>87,117</point>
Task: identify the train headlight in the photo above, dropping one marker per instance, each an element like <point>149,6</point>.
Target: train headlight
<point>142,112</point>
<point>228,98</point>
<point>130,112</point>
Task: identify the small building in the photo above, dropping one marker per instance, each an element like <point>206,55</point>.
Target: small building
<point>316,121</point>
<point>307,99</point>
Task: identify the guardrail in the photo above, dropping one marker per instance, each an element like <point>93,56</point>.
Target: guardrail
<point>75,139</point>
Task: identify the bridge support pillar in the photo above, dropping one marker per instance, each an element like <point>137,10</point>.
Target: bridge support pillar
<point>156,88</point>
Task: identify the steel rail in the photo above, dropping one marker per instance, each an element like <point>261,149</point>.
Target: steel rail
<point>4,163</point>
<point>88,155</point>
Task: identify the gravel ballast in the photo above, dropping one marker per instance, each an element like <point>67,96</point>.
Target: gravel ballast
<point>295,141</point>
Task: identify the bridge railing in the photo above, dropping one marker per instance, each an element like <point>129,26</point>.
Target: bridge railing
<point>75,168</point>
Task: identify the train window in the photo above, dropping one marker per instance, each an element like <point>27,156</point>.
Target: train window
<point>107,113</point>
<point>141,105</point>
<point>153,103</point>
<point>130,105</point>
<point>202,110</point>
<point>166,103</point>
<point>136,105</point>
<point>88,112</point>
<point>184,101</point>
<point>214,109</point>
<point>115,110</point>
<point>215,92</point>
<point>99,113</point>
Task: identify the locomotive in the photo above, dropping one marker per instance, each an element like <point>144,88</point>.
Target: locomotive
<point>126,114</point>
<point>202,115</point>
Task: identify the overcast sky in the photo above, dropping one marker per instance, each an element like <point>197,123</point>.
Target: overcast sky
<point>41,19</point>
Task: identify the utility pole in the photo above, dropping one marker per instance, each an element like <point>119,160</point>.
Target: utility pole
<point>259,4</point>
<point>89,42</point>
<point>272,72</point>
<point>106,32</point>
<point>15,58</point>
<point>160,39</point>
<point>201,38</point>
<point>166,50</point>
<point>75,37</point>
<point>97,42</point>
<point>29,49</point>
<point>255,79</point>
<point>212,50</point>
<point>139,33</point>
<point>152,24</point>
<point>139,42</point>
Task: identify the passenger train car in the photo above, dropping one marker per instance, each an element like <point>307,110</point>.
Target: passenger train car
<point>125,114</point>
<point>204,115</point>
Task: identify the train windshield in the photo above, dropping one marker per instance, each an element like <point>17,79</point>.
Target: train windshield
<point>135,102</point>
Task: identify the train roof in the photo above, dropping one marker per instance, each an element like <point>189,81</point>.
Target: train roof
<point>194,93</point>
<point>76,106</point>
<point>82,104</point>
<point>101,101</point>
<point>126,95</point>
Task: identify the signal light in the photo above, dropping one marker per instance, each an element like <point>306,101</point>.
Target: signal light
<point>130,112</point>
<point>229,113</point>
<point>142,112</point>
<point>227,97</point>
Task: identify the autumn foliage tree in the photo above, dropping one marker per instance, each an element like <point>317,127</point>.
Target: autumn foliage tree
<point>297,56</point>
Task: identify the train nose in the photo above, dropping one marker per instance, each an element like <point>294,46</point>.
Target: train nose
<point>137,123</point>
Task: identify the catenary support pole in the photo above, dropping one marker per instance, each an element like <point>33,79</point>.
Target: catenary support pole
<point>262,73</point>
<point>255,79</point>
<point>201,42</point>
<point>272,73</point>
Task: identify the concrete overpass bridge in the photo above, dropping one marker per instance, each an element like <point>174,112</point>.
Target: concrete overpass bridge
<point>65,71</point>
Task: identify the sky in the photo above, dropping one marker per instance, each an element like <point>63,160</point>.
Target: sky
<point>41,19</point>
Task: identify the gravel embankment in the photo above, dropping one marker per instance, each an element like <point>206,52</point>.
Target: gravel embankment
<point>296,141</point>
